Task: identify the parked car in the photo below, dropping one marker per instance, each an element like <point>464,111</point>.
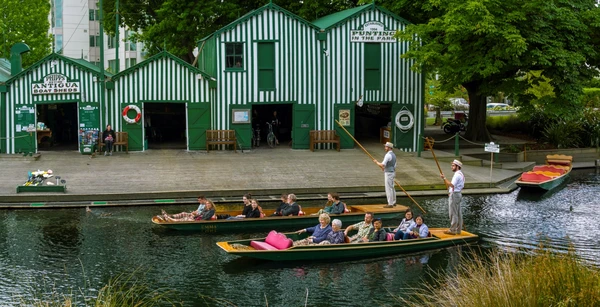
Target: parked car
<point>497,106</point>
<point>459,103</point>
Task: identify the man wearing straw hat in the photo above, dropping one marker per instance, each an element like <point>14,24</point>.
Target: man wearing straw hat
<point>455,188</point>
<point>388,165</point>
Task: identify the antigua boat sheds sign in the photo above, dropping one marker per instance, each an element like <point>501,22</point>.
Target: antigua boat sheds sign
<point>373,32</point>
<point>55,84</point>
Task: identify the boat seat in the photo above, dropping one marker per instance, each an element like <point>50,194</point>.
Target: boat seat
<point>346,210</point>
<point>390,236</point>
<point>548,168</point>
<point>273,241</point>
<point>533,177</point>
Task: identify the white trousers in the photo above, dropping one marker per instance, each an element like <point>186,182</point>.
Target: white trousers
<point>390,191</point>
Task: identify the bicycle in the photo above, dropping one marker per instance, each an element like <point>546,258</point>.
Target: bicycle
<point>256,137</point>
<point>271,136</point>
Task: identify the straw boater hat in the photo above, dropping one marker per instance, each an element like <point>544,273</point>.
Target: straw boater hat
<point>457,163</point>
<point>388,144</point>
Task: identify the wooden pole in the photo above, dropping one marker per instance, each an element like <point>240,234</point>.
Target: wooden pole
<point>368,154</point>
<point>436,160</point>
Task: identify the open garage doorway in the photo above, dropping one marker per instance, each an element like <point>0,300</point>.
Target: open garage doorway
<point>60,121</point>
<point>261,114</point>
<point>164,125</point>
<point>370,118</point>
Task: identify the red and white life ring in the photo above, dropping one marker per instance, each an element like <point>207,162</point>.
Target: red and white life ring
<point>138,116</point>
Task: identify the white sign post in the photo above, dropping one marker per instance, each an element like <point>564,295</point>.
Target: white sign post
<point>492,148</point>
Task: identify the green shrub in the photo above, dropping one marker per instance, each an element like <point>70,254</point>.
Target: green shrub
<point>590,123</point>
<point>542,279</point>
<point>505,123</point>
<point>565,134</point>
<point>591,97</point>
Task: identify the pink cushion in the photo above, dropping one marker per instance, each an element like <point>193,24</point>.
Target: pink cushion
<point>278,240</point>
<point>547,168</point>
<point>532,177</point>
<point>390,236</point>
<point>262,246</point>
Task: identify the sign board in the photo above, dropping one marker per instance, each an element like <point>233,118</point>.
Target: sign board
<point>372,32</point>
<point>344,117</point>
<point>491,147</point>
<point>55,84</point>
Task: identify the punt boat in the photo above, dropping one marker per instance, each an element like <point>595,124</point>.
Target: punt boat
<point>356,214</point>
<point>547,176</point>
<point>438,239</point>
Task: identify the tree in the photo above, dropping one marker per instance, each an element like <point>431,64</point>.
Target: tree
<point>489,46</point>
<point>25,23</point>
<point>176,25</point>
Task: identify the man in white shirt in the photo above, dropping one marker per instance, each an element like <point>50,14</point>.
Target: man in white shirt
<point>388,165</point>
<point>455,188</point>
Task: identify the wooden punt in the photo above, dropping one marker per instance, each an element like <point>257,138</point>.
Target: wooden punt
<point>356,214</point>
<point>547,176</point>
<point>347,250</point>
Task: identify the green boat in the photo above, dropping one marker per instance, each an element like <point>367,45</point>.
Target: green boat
<point>437,240</point>
<point>356,214</point>
<point>548,176</point>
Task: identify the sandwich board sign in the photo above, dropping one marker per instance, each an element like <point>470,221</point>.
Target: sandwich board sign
<point>491,147</point>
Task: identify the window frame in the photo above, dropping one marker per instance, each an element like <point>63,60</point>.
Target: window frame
<point>266,66</point>
<point>237,54</point>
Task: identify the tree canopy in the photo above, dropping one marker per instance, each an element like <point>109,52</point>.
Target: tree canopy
<point>25,23</point>
<point>490,46</point>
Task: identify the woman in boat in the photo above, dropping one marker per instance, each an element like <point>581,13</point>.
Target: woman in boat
<point>282,205</point>
<point>407,221</point>
<point>255,211</point>
<point>377,233</point>
<point>417,230</point>
<point>206,214</point>
<point>319,232</point>
<point>247,207</point>
<point>337,235</point>
<point>334,205</point>
<point>191,215</point>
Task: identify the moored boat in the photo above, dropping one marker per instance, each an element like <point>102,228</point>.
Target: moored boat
<point>547,176</point>
<point>356,214</point>
<point>281,252</point>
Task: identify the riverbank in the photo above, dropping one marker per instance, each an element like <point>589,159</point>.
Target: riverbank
<point>177,176</point>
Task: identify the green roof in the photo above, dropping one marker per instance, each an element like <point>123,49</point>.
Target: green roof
<point>335,19</point>
<point>4,70</point>
<point>160,55</point>
<point>82,64</point>
<point>258,11</point>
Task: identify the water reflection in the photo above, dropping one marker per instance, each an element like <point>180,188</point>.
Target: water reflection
<point>77,252</point>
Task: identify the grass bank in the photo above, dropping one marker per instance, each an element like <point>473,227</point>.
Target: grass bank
<point>508,279</point>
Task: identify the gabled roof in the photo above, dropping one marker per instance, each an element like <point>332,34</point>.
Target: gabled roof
<point>4,70</point>
<point>83,65</point>
<point>161,55</point>
<point>331,21</point>
<point>258,11</point>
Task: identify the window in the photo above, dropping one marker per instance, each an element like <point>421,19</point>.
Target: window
<point>58,44</point>
<point>112,66</point>
<point>130,44</point>
<point>234,56</point>
<point>94,41</point>
<point>130,62</point>
<point>266,66</point>
<point>94,15</point>
<point>372,60</point>
<point>111,42</point>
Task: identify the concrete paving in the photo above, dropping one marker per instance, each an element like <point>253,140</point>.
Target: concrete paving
<point>174,175</point>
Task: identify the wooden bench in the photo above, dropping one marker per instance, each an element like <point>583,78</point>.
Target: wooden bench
<point>221,137</point>
<point>122,139</point>
<point>324,136</point>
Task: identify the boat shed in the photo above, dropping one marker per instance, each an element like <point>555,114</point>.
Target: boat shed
<point>162,102</point>
<point>346,66</point>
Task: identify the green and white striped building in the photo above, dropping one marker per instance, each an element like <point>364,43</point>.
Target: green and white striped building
<point>346,66</point>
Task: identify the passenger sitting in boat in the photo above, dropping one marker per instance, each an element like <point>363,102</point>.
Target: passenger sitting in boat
<point>319,232</point>
<point>417,230</point>
<point>206,214</point>
<point>363,229</point>
<point>292,207</point>
<point>377,233</point>
<point>256,210</point>
<point>337,235</point>
<point>406,222</point>
<point>247,207</point>
<point>282,205</point>
<point>334,205</point>
<point>182,215</point>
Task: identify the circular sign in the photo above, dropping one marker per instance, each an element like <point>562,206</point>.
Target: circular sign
<point>405,120</point>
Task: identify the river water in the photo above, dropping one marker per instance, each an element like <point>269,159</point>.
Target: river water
<point>69,251</point>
